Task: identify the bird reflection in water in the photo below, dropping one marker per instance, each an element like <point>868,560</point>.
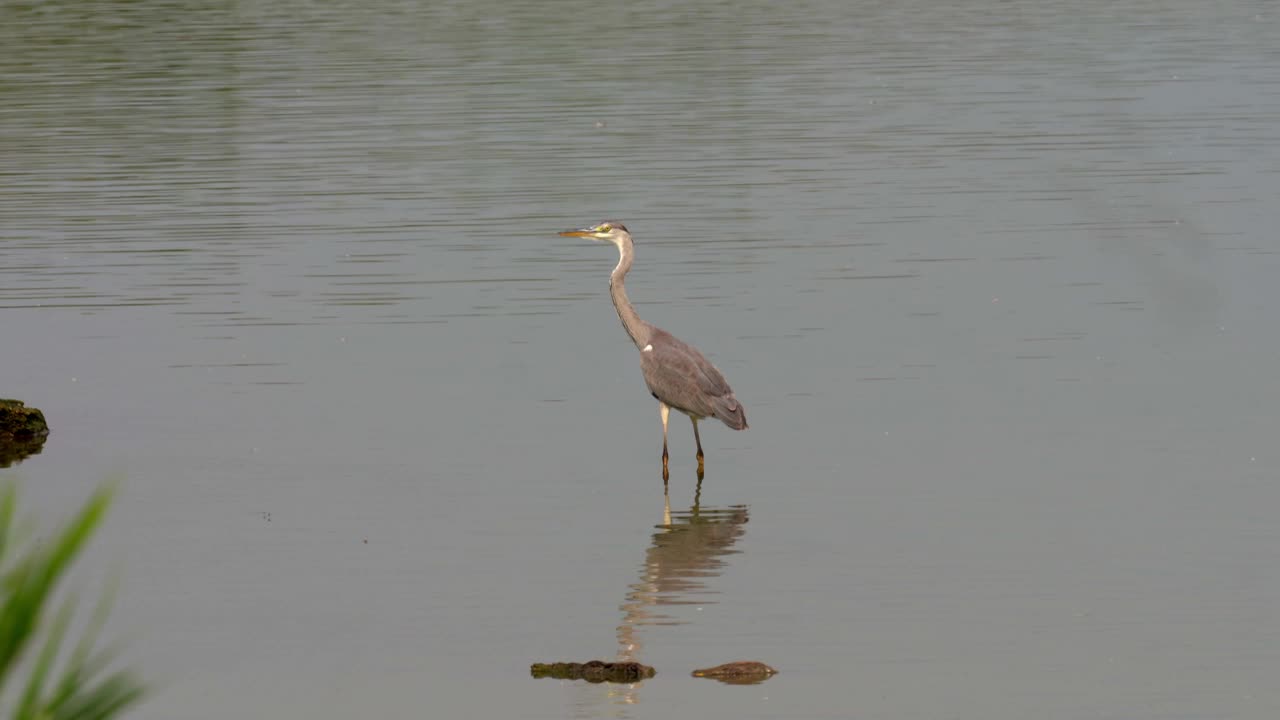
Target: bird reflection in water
<point>686,551</point>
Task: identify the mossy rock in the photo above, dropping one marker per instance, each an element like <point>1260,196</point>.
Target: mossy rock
<point>595,671</point>
<point>22,432</point>
<point>21,422</point>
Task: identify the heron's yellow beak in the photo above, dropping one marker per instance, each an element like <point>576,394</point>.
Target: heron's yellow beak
<point>596,232</point>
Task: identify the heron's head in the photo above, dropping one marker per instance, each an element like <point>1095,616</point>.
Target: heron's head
<point>607,231</point>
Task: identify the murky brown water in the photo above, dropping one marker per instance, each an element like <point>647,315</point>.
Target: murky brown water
<point>995,281</point>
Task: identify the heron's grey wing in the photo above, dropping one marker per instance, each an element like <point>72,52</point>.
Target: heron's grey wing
<point>678,375</point>
<point>710,379</point>
<point>681,377</point>
<point>721,401</point>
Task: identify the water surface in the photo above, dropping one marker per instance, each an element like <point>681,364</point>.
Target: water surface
<point>995,282</point>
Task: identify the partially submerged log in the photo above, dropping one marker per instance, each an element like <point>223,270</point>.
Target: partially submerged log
<point>742,672</point>
<point>595,671</point>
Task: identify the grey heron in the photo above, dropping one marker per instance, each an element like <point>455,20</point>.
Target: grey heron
<point>676,373</point>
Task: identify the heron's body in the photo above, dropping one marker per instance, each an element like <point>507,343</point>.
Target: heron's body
<point>681,378</point>
<point>675,372</point>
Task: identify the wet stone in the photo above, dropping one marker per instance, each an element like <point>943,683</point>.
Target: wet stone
<point>742,672</point>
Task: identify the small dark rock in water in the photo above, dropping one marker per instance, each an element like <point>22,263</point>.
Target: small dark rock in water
<point>22,431</point>
<point>595,671</point>
<point>19,422</point>
<point>743,672</point>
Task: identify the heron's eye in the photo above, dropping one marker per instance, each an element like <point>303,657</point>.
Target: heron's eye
<point>604,228</point>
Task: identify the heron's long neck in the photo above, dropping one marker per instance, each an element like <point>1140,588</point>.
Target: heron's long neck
<point>639,330</point>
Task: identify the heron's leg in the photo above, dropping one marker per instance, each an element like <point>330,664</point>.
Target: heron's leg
<point>697,440</point>
<point>666,411</point>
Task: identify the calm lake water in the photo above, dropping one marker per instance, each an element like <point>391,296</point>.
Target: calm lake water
<point>995,281</point>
